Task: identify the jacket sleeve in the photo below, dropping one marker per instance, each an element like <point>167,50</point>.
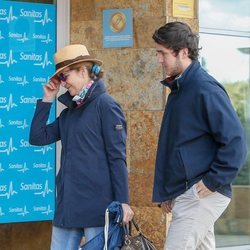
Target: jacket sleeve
<point>228,133</point>
<point>114,134</point>
<point>41,133</point>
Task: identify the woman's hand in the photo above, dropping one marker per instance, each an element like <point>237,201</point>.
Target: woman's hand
<point>128,213</point>
<point>50,90</point>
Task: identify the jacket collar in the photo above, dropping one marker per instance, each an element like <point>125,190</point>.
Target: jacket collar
<point>178,82</point>
<point>95,90</point>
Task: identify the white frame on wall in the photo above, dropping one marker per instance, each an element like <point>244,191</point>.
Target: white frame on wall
<point>63,23</point>
<point>63,39</point>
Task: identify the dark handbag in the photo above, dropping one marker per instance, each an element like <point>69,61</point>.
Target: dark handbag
<point>138,242</point>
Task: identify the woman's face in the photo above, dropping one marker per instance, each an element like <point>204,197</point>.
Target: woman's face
<point>74,79</point>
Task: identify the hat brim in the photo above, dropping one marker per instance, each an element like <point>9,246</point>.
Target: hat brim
<point>75,62</point>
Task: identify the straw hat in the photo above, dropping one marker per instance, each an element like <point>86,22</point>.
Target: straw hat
<point>70,55</point>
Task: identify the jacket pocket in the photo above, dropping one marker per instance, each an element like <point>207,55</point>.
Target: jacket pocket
<point>184,162</point>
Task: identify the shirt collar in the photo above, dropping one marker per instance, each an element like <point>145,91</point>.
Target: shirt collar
<point>176,82</point>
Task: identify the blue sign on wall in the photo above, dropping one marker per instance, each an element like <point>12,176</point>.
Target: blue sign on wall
<point>117,28</point>
<point>27,173</point>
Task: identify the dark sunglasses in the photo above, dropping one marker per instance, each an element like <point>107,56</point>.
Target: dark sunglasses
<point>62,77</point>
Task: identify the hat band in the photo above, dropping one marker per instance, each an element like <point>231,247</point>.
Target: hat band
<point>67,62</point>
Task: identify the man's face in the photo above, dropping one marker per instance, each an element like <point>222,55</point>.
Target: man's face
<point>171,63</point>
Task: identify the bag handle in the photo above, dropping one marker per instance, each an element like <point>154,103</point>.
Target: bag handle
<point>136,226</point>
<point>127,228</point>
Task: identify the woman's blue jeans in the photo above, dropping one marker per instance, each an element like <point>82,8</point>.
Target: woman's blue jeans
<point>70,239</point>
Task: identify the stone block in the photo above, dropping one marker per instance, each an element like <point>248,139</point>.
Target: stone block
<point>144,132</point>
<point>133,78</point>
<point>141,187</point>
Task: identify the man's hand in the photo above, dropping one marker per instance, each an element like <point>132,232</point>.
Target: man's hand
<point>167,206</point>
<point>202,190</point>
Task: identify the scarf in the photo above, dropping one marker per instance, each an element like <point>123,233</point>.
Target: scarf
<point>82,93</point>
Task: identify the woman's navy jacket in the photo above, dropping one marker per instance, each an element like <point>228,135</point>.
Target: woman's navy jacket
<point>93,170</point>
<point>201,137</point>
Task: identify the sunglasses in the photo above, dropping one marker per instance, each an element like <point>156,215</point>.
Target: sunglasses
<point>62,77</point>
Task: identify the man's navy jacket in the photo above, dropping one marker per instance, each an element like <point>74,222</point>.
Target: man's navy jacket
<point>201,137</point>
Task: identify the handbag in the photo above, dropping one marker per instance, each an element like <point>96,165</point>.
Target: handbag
<point>137,242</point>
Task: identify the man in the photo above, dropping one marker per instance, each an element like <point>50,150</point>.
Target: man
<point>201,145</point>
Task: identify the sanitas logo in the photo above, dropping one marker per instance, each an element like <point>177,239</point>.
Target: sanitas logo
<point>3,56</point>
<point>15,210</point>
<point>39,165</point>
<point>41,208</point>
<point>30,13</point>
<point>24,144</point>
<point>15,122</point>
<point>40,36</point>
<point>3,11</point>
<point>3,188</point>
<point>3,144</point>
<point>15,35</point>
<point>28,100</point>
<point>39,79</point>
<point>3,99</point>
<point>30,57</point>
<point>32,186</point>
<point>15,78</point>
<point>15,166</point>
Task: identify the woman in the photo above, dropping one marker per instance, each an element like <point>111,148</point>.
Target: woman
<point>92,130</point>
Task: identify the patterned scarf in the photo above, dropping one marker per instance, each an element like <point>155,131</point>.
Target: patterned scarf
<point>82,93</point>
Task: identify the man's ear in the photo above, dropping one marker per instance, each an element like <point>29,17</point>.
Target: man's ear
<point>184,53</point>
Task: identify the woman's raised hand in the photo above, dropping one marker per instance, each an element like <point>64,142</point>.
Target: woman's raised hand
<point>50,90</point>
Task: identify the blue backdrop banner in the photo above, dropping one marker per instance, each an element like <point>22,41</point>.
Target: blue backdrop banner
<point>27,173</point>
